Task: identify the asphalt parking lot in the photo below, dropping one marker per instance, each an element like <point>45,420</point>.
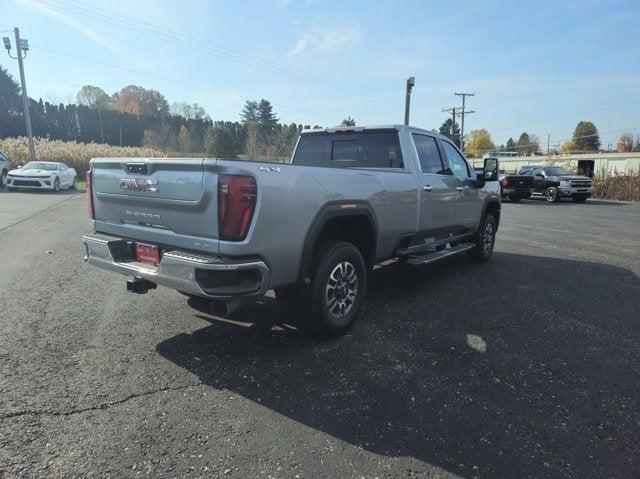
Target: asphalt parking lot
<point>527,366</point>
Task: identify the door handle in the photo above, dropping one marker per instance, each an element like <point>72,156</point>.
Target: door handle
<point>461,188</point>
<point>427,188</point>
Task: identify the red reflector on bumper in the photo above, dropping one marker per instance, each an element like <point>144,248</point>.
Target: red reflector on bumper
<point>148,253</point>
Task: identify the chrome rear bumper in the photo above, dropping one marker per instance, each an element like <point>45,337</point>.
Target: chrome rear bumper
<point>201,275</point>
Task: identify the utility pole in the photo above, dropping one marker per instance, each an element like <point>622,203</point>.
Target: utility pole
<point>462,114</point>
<point>452,128</point>
<point>22,45</point>
<point>548,141</point>
<point>411,81</point>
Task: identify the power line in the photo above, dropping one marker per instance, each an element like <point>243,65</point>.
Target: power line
<point>166,35</point>
<point>174,80</point>
<point>174,38</point>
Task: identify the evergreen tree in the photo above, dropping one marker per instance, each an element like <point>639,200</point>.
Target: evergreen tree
<point>585,137</point>
<point>445,129</point>
<point>11,117</point>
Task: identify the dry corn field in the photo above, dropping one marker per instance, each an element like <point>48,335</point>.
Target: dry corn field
<point>76,155</point>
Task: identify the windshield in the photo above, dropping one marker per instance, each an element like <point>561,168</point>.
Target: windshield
<point>556,171</point>
<point>38,165</point>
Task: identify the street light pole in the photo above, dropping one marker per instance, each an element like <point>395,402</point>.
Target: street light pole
<point>22,45</point>
<point>411,81</point>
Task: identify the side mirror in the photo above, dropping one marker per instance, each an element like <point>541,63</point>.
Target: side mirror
<point>540,175</point>
<point>20,167</point>
<point>490,170</point>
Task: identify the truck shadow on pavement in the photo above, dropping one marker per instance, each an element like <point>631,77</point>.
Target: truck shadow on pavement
<point>525,366</point>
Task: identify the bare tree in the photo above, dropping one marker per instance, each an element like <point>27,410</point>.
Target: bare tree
<point>625,143</point>
<point>252,145</point>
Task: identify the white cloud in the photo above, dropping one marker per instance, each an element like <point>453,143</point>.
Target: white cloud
<point>320,40</point>
<point>72,22</point>
<point>283,3</point>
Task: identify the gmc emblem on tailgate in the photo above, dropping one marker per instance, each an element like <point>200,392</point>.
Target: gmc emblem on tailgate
<point>137,184</point>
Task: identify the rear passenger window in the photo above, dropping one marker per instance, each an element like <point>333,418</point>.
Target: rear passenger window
<point>365,149</point>
<point>313,151</point>
<point>430,160</point>
<point>378,150</point>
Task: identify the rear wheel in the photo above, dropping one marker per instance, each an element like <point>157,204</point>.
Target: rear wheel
<point>73,184</point>
<point>514,198</point>
<point>3,178</point>
<point>485,241</point>
<point>338,287</point>
<point>552,195</point>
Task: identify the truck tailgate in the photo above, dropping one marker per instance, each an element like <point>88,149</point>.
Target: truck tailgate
<point>520,182</point>
<point>164,201</point>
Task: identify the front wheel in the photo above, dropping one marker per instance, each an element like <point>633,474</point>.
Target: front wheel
<point>552,195</point>
<point>514,198</point>
<point>56,184</point>
<point>338,287</point>
<point>3,178</point>
<point>485,241</point>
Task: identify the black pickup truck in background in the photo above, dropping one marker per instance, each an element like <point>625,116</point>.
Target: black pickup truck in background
<point>556,182</point>
<point>516,187</point>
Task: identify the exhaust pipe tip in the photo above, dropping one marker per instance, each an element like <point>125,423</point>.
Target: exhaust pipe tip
<point>219,308</point>
<point>222,309</point>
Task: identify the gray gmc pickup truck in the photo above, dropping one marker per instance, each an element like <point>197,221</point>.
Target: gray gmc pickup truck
<point>230,230</point>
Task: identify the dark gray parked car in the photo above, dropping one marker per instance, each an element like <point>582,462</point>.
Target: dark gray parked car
<point>311,229</point>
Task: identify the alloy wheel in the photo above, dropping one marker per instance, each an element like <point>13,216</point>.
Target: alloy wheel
<point>488,238</point>
<point>341,289</point>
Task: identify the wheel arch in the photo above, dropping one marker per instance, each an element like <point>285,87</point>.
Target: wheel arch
<point>351,221</point>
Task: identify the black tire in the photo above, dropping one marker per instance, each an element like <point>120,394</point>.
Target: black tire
<point>73,184</point>
<point>337,290</point>
<point>485,241</point>
<point>3,179</point>
<point>552,195</point>
<point>56,184</point>
<point>580,198</point>
<point>514,198</point>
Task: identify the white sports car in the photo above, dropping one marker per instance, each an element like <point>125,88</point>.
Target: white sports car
<point>45,175</point>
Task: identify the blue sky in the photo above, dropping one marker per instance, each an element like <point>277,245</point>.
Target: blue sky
<point>536,67</point>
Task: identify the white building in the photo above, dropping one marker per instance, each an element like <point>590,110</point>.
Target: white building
<point>588,164</point>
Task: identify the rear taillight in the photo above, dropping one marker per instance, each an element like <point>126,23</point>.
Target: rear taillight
<point>89,196</point>
<point>236,203</point>
<point>504,182</point>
